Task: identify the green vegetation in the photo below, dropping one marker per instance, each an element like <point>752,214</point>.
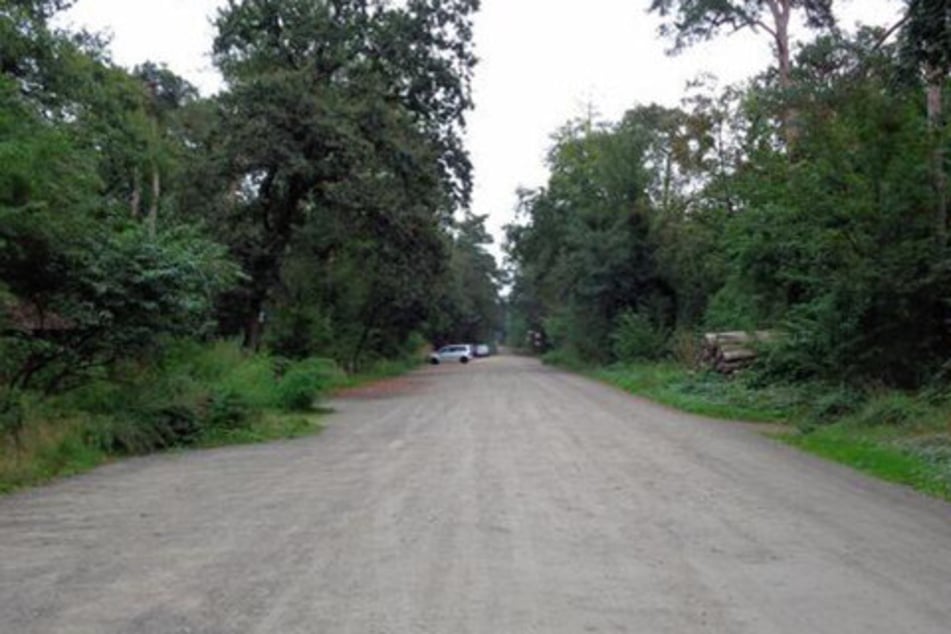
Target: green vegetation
<point>704,393</point>
<point>898,436</point>
<point>316,210</point>
<point>809,201</point>
<point>923,463</point>
<point>194,395</point>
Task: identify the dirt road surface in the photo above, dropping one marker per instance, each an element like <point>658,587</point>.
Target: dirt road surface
<point>500,497</point>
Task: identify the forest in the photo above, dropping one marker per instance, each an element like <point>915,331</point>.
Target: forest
<point>812,199</point>
<point>809,202</point>
<point>175,266</point>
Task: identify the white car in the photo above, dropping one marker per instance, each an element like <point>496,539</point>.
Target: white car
<point>482,350</point>
<point>461,352</point>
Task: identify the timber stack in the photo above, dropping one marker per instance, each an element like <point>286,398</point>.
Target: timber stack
<point>727,352</point>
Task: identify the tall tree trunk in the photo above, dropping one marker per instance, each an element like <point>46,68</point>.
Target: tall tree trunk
<point>254,325</point>
<point>939,176</point>
<point>782,10</point>
<point>136,202</point>
<point>668,179</point>
<point>156,195</point>
<point>781,40</point>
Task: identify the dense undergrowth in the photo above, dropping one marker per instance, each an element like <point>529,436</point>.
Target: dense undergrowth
<point>197,395</point>
<point>902,437</point>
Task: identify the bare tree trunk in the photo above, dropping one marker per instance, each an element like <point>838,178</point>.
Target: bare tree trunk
<point>939,176</point>
<point>254,327</point>
<point>136,202</point>
<point>154,206</point>
<point>781,17</point>
<point>668,178</point>
<point>782,10</point>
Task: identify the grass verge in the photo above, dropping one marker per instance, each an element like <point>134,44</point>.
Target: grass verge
<point>269,426</point>
<point>53,449</point>
<point>889,456</point>
<point>196,396</point>
<point>900,437</point>
<point>707,394</point>
<point>377,372</point>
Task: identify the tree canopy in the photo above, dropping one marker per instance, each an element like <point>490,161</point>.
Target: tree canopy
<point>671,221</point>
<point>316,206</point>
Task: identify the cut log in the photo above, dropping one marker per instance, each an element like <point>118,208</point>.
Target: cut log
<point>729,351</point>
<point>736,354</point>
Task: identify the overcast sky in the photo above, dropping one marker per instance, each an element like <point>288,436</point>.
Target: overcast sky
<point>542,63</point>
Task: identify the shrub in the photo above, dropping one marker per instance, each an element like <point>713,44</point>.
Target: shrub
<point>227,410</point>
<point>253,377</point>
<point>122,435</point>
<point>563,358</point>
<point>11,415</point>
<point>302,383</point>
<point>933,449</point>
<point>893,408</point>
<point>834,404</point>
<point>636,337</point>
<point>685,348</point>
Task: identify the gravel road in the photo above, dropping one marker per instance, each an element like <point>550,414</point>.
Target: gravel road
<point>500,497</point>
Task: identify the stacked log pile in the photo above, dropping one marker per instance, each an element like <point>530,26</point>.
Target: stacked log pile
<point>727,352</point>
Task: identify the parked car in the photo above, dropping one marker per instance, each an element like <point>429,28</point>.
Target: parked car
<point>482,350</point>
<point>461,352</point>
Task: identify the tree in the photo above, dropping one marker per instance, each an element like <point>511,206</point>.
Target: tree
<point>692,21</point>
<point>329,101</point>
<point>84,286</point>
<point>583,253</point>
<point>698,20</point>
<point>467,306</point>
<point>166,95</point>
<point>925,51</point>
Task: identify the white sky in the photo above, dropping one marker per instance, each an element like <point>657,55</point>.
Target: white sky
<point>542,63</point>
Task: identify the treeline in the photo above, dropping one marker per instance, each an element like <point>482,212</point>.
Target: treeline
<point>811,200</point>
<point>311,209</point>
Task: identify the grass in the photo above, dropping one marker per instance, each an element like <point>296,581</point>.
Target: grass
<point>876,452</point>
<point>897,436</point>
<point>703,393</point>
<point>199,396</point>
<point>45,452</point>
<point>378,371</point>
<point>52,449</point>
<point>269,426</point>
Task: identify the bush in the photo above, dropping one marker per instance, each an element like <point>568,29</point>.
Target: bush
<point>685,347</point>
<point>194,394</point>
<point>227,410</point>
<point>302,383</point>
<point>254,377</point>
<point>636,337</point>
<point>11,414</point>
<point>124,435</point>
<point>564,358</point>
<point>833,404</point>
<point>935,450</point>
<point>893,408</point>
